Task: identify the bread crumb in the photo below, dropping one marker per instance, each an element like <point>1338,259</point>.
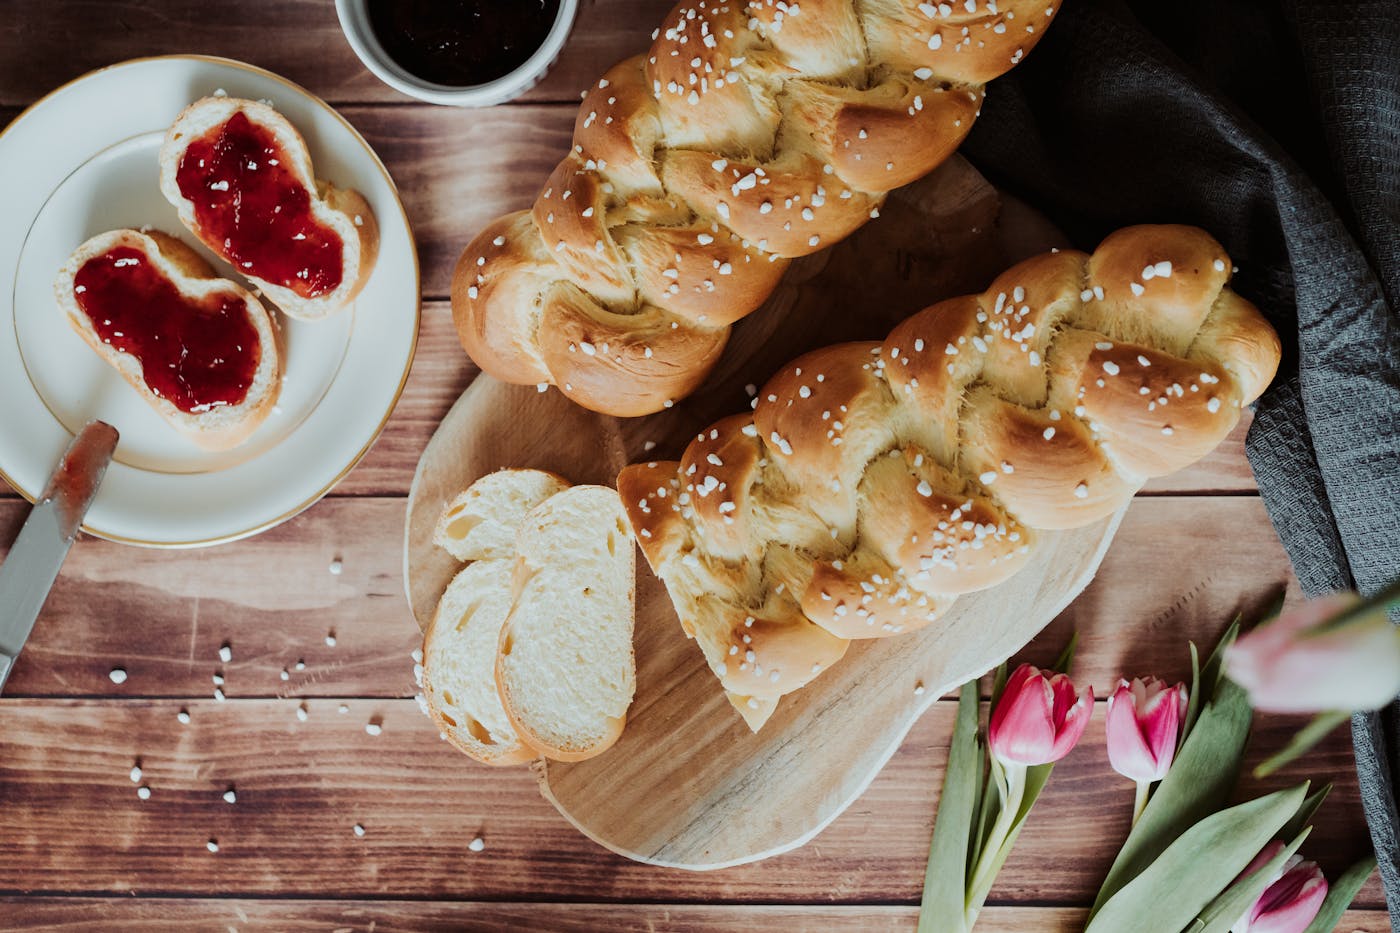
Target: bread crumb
<point>230,796</point>
<point>336,567</point>
<point>143,792</point>
<point>302,714</point>
<point>118,675</point>
<point>359,830</point>
<point>919,689</point>
<point>183,716</point>
<point>212,845</point>
<point>343,708</point>
<point>330,639</point>
<point>477,844</point>
<point>136,774</point>
<point>301,664</point>
<point>373,727</point>
<point>226,653</point>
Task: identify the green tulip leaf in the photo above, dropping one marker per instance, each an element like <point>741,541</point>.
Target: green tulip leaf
<point>1066,657</point>
<point>1198,784</point>
<point>1035,780</point>
<point>1205,680</point>
<point>1223,912</point>
<point>945,881</point>
<point>1304,740</point>
<point>1340,895</point>
<point>1193,699</point>
<point>1306,812</point>
<point>1178,884</point>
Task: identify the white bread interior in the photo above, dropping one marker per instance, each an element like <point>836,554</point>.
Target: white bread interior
<point>343,210</point>
<point>459,665</point>
<point>481,522</point>
<point>565,669</point>
<point>219,428</point>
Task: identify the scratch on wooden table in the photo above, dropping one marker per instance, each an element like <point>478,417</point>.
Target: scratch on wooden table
<point>194,626</point>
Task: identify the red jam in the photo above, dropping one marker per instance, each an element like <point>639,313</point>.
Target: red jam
<point>198,354</point>
<point>253,211</point>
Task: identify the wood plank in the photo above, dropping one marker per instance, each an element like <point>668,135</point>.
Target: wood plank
<point>72,821</point>
<point>101,914</point>
<point>274,600</point>
<point>43,45</point>
<point>441,372</point>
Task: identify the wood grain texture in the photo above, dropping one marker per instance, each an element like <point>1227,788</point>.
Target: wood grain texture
<point>72,821</point>
<point>43,45</point>
<point>164,616</point>
<point>101,915</point>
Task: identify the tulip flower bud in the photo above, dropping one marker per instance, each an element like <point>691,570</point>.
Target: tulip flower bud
<point>1039,717</point>
<point>1288,667</point>
<point>1144,720</point>
<point>1290,902</point>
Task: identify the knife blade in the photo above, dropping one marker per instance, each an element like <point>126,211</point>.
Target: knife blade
<point>28,572</point>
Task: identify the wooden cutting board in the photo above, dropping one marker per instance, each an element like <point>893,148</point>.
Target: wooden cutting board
<point>688,785</point>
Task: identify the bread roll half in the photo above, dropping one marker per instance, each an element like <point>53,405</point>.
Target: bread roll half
<point>138,268</point>
<point>269,152</point>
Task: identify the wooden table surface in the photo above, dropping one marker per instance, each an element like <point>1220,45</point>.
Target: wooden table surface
<point>80,850</point>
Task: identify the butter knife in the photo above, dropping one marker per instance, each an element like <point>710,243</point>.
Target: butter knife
<point>28,572</point>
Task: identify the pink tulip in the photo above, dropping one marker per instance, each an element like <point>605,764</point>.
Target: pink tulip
<point>1039,717</point>
<point>1144,719</point>
<point>1290,902</point>
<point>1286,668</point>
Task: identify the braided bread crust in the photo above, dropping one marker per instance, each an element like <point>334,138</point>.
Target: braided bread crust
<point>874,483</point>
<point>752,132</point>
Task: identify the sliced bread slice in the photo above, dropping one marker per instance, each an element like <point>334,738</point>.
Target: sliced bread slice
<point>261,165</point>
<point>459,665</point>
<point>565,669</point>
<point>481,522</point>
<point>200,349</point>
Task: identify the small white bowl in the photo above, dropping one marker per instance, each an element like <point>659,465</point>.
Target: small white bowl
<point>354,22</point>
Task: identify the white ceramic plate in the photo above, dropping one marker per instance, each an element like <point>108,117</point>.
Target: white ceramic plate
<point>82,161</point>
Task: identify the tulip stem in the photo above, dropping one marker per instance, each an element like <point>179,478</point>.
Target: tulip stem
<point>1140,802</point>
<point>1011,784</point>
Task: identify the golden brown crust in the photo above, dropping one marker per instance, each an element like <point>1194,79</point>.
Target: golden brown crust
<point>751,132</point>
<point>504,268</point>
<point>875,483</point>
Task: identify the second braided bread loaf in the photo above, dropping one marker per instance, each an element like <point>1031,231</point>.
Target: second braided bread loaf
<point>876,482</point>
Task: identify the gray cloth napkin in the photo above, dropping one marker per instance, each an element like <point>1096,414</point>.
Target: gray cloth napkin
<point>1275,125</point>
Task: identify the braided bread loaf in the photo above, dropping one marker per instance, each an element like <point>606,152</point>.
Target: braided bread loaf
<point>752,132</point>
<point>875,482</point>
